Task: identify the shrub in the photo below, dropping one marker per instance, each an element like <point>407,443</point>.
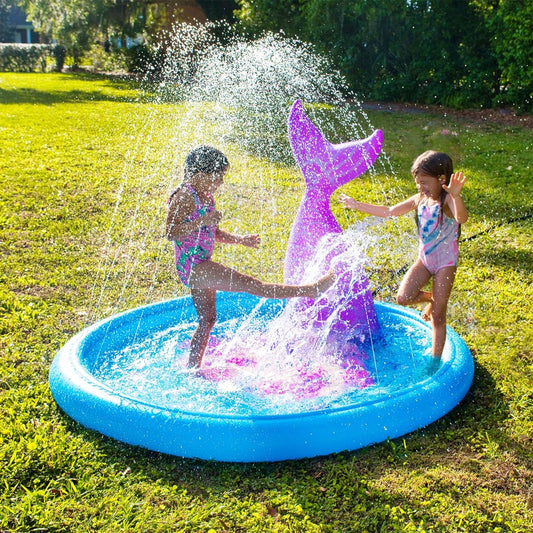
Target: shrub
<point>145,60</point>
<point>98,59</point>
<point>60,54</point>
<point>15,57</point>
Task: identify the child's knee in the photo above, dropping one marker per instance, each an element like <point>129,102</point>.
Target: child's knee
<point>207,320</point>
<point>402,299</point>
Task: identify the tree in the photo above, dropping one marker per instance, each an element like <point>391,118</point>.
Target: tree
<point>77,24</point>
<point>510,23</point>
<point>464,53</point>
<point>6,35</point>
<point>72,23</point>
<point>256,16</point>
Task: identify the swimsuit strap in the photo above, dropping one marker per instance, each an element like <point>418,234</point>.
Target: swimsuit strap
<point>197,201</point>
<point>192,190</point>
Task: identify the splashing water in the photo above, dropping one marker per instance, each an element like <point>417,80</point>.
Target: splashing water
<point>278,358</point>
<point>218,88</point>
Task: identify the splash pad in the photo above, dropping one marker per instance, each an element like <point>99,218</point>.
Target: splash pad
<point>282,380</point>
<point>145,403</point>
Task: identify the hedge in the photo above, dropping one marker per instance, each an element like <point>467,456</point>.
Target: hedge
<point>15,57</point>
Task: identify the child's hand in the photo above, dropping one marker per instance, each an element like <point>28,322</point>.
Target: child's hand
<point>252,241</point>
<point>457,180</point>
<point>347,201</point>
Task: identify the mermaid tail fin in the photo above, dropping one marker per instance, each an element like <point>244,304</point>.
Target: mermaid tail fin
<point>324,164</point>
<point>325,167</point>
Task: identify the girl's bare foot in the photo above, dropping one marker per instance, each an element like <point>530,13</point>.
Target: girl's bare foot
<point>433,365</point>
<point>427,312</point>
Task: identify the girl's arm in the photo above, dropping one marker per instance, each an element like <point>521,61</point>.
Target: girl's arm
<point>182,206</point>
<point>252,241</point>
<point>454,200</point>
<point>380,210</point>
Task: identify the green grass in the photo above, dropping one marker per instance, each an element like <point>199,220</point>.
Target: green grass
<point>84,165</point>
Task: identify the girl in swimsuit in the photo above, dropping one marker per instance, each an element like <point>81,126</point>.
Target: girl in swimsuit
<point>192,223</point>
<point>440,211</point>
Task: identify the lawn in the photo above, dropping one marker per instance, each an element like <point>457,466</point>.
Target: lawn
<point>84,173</point>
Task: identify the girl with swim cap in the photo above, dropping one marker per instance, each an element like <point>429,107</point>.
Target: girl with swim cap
<point>193,224</point>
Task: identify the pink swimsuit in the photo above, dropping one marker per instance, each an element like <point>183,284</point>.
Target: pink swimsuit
<point>198,246</point>
<point>438,235</point>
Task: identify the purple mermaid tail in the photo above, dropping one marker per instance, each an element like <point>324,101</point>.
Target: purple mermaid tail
<point>326,167</point>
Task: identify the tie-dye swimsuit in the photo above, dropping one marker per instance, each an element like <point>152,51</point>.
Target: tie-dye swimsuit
<point>438,235</point>
<point>198,246</point>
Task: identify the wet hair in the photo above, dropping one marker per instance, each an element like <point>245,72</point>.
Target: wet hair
<point>205,159</point>
<point>435,164</point>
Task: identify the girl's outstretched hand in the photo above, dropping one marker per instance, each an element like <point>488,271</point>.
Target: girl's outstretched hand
<point>252,241</point>
<point>457,180</point>
<point>347,201</point>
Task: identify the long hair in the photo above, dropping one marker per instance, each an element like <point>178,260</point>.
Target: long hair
<point>437,165</point>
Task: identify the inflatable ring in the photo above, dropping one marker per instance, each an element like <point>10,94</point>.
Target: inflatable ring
<point>246,437</point>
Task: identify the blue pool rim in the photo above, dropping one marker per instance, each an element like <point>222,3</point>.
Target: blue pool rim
<point>247,438</point>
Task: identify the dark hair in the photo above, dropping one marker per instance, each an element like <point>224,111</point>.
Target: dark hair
<point>205,159</point>
<point>435,164</point>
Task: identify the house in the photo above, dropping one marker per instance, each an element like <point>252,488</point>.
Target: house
<point>20,30</point>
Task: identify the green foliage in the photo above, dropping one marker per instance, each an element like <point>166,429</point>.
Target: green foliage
<point>460,53</point>
<point>66,142</point>
<point>6,32</point>
<point>60,53</point>
<point>67,22</point>
<point>24,57</point>
<point>78,24</point>
<point>99,60</point>
<point>408,51</point>
<point>256,16</point>
<point>512,29</point>
<point>143,59</point>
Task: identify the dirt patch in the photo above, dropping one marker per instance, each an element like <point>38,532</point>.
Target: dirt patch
<point>503,116</point>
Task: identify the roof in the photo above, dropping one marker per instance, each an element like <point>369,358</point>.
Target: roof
<point>17,17</point>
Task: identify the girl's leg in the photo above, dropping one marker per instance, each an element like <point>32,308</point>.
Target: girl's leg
<point>205,304</point>
<point>410,291</point>
<point>442,288</point>
<point>211,275</point>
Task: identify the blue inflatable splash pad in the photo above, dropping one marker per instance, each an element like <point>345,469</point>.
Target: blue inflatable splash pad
<point>125,377</point>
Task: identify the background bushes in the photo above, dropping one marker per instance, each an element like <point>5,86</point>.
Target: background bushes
<point>16,57</point>
<point>459,53</point>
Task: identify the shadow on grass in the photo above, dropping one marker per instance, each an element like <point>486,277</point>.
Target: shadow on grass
<point>482,410</point>
<point>451,458</point>
<point>105,90</point>
<point>49,98</point>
